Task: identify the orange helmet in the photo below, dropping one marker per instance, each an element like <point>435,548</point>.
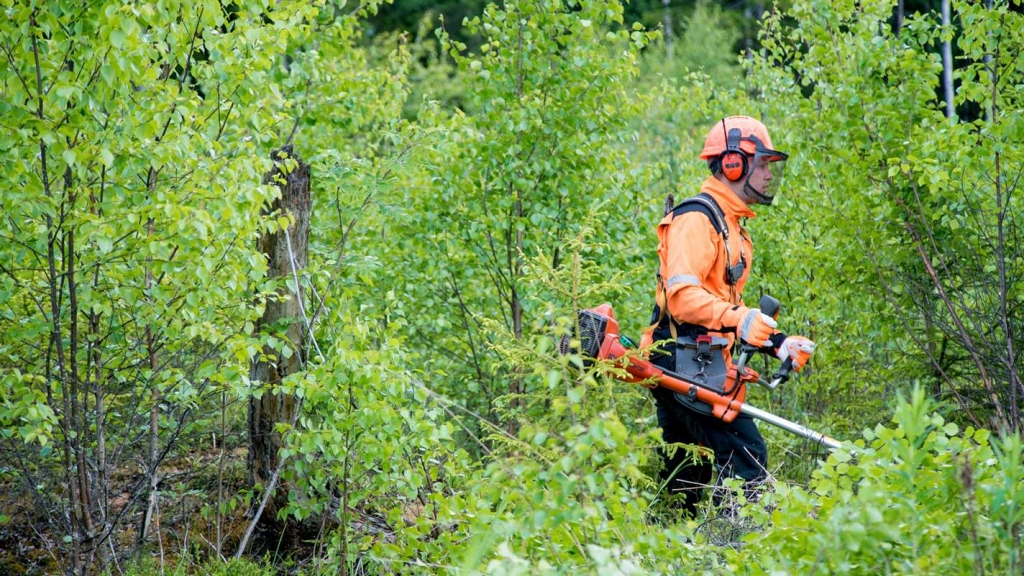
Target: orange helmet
<point>715,143</point>
<point>739,146</point>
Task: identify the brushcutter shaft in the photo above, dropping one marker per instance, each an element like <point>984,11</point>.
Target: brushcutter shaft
<point>642,370</point>
<point>790,426</point>
<point>677,383</point>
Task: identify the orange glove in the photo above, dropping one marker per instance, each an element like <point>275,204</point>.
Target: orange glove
<point>798,348</point>
<point>756,328</point>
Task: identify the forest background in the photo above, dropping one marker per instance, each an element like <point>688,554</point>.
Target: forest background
<point>478,173</point>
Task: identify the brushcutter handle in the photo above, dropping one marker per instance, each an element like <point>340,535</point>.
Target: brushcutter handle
<point>782,375</point>
<point>746,351</point>
<point>770,306</point>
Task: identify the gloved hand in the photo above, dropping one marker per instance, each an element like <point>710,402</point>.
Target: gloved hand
<point>798,348</point>
<point>756,328</point>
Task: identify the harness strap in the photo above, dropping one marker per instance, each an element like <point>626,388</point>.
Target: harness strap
<point>706,205</point>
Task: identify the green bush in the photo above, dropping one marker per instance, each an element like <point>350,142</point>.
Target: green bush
<point>924,497</point>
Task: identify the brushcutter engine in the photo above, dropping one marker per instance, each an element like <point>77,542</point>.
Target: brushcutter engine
<point>591,326</point>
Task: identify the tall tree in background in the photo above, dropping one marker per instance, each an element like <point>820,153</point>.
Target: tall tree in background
<point>947,60</point>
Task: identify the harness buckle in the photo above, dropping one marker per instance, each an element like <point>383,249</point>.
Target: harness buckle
<point>704,347</point>
<point>703,355</point>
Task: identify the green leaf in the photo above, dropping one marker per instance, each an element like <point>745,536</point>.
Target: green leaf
<point>575,394</point>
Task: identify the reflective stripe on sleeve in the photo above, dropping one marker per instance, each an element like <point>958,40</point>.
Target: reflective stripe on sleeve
<point>688,279</point>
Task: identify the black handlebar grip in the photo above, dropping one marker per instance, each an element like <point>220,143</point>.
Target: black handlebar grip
<point>783,373</point>
<point>770,306</point>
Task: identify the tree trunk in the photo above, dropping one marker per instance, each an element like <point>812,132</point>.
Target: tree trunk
<point>989,114</point>
<point>947,62</point>
<point>897,26</point>
<point>669,39</point>
<point>151,520</point>
<point>286,252</point>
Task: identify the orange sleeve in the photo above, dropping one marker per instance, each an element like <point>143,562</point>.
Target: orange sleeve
<point>690,248</point>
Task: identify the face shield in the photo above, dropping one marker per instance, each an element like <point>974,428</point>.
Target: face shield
<point>765,176</point>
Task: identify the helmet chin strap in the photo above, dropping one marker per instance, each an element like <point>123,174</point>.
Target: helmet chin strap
<point>756,194</point>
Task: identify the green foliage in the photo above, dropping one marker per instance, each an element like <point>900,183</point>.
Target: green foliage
<point>370,433</point>
<point>25,410</point>
<point>469,198</point>
<point>923,497</point>
<point>134,147</point>
<point>703,46</point>
<point>565,502</point>
<point>896,213</point>
<point>512,178</point>
<point>111,201</point>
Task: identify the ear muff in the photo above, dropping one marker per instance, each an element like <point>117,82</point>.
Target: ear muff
<point>733,161</point>
<point>734,166</point>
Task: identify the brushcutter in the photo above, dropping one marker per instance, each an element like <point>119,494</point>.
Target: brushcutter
<point>599,337</point>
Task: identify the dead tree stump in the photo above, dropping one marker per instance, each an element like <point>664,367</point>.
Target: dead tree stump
<point>286,252</point>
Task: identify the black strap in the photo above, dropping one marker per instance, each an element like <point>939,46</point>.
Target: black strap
<point>707,206</point>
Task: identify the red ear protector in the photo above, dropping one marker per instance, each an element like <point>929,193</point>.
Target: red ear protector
<point>733,161</point>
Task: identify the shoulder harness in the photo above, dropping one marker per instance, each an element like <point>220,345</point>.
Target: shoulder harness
<point>706,205</point>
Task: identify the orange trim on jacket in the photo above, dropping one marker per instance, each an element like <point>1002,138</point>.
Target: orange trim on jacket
<point>692,262</point>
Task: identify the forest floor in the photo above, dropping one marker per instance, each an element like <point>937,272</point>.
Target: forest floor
<point>33,526</point>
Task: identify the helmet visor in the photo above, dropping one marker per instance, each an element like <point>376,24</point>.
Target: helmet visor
<point>766,176</point>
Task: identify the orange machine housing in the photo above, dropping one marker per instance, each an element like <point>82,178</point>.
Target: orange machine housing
<point>723,407</point>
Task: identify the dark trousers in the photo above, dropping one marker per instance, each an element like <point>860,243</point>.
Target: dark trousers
<point>739,449</point>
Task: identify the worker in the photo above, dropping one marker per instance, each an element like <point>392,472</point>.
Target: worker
<point>705,255</point>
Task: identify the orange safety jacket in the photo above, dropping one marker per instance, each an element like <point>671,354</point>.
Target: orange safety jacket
<point>692,270</point>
